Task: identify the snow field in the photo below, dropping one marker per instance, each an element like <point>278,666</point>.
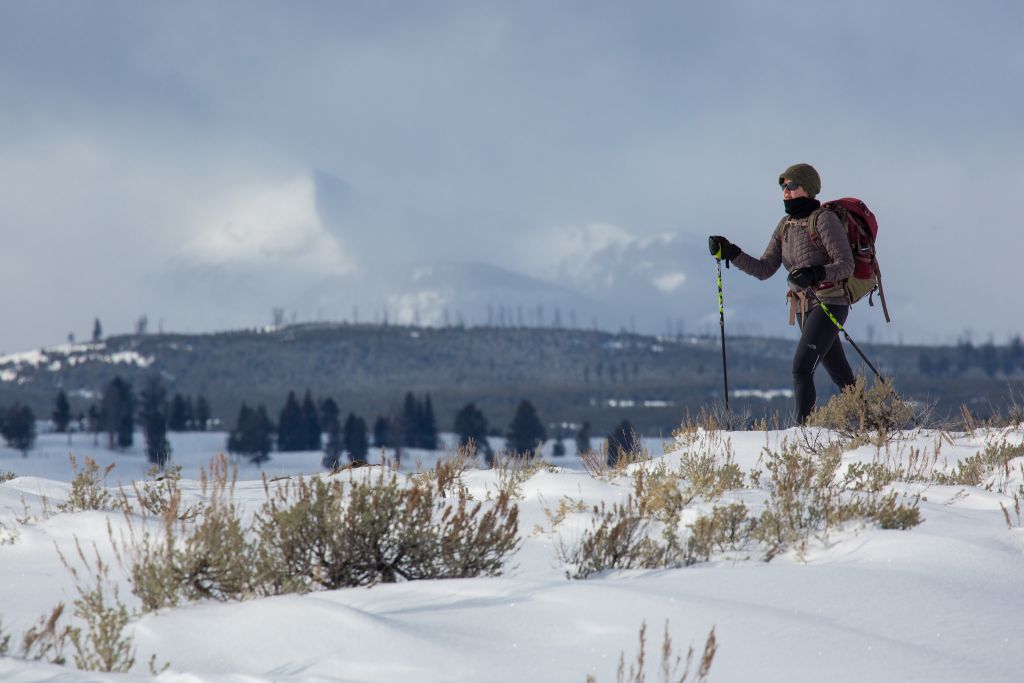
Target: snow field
<point>939,602</point>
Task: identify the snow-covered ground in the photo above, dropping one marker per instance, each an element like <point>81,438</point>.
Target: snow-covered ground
<point>943,601</point>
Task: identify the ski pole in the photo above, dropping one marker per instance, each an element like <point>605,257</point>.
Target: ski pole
<point>721,325</point>
<point>843,330</point>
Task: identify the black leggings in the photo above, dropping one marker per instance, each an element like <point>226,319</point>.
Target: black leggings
<point>819,341</point>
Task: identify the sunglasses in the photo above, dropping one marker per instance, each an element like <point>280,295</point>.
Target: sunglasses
<point>791,185</point>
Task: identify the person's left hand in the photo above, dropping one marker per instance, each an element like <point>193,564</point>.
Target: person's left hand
<point>807,277</point>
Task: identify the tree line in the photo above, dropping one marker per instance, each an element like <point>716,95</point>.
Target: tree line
<point>306,425</point>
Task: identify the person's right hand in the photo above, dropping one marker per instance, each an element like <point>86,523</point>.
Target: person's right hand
<point>722,248</point>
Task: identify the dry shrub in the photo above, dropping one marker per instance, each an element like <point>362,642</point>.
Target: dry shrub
<point>8,536</point>
<point>6,476</point>
<point>5,641</point>
<point>862,415</point>
<point>619,538</point>
<point>323,533</point>
<point>513,471</point>
<point>87,488</point>
<point>993,459</point>
<point>47,640</point>
<point>708,465</point>
<point>446,475</point>
<point>161,492</point>
<point>727,528</point>
<point>210,558</point>
<point>102,645</point>
<point>804,499</point>
<point>566,506</point>
<point>673,669</point>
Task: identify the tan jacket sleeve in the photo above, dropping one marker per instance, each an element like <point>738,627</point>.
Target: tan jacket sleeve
<point>764,267</point>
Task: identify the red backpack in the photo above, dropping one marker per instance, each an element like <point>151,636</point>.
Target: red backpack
<point>861,229</point>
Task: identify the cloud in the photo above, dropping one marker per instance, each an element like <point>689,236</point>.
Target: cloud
<point>269,224</point>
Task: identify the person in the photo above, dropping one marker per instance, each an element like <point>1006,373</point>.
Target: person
<point>821,268</point>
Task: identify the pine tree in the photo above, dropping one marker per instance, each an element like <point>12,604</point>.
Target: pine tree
<point>290,428</point>
<point>118,413</point>
<point>471,428</point>
<point>252,434</point>
<point>260,436</point>
<point>356,442</point>
<point>558,449</point>
<point>201,414</point>
<point>179,417</point>
<point>97,330</point>
<point>408,423</point>
<point>526,432</point>
<point>427,426</point>
<point>18,427</point>
<point>62,414</point>
<point>583,438</point>
<point>330,417</point>
<point>236,437</point>
<point>154,421</point>
<point>311,429</point>
<point>383,432</point>
<point>621,442</point>
<point>95,423</point>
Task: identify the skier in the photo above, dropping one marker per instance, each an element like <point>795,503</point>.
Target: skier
<point>823,268</point>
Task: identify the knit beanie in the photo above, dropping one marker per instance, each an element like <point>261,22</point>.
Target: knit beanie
<point>805,175</point>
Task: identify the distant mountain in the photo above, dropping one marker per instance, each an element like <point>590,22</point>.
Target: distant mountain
<point>320,251</point>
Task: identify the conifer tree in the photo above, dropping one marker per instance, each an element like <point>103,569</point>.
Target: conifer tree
<point>118,413</point>
<point>471,428</point>
<point>356,442</point>
<point>558,449</point>
<point>330,417</point>
<point>408,423</point>
<point>290,427</point>
<point>97,330</point>
<point>383,432</point>
<point>621,442</point>
<point>427,426</point>
<point>252,434</point>
<point>154,421</point>
<point>95,423</point>
<point>62,413</point>
<point>18,427</point>
<point>311,428</point>
<point>526,432</point>
<point>201,414</point>
<point>236,437</point>
<point>583,438</point>
<point>179,417</point>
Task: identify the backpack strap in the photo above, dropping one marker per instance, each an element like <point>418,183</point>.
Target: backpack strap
<point>812,228</point>
<point>881,291</point>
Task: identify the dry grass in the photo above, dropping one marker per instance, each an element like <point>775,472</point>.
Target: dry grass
<point>673,668</point>
<point>47,640</point>
<point>1014,514</point>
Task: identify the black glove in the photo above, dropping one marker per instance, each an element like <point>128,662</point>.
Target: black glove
<point>722,248</point>
<point>807,277</point>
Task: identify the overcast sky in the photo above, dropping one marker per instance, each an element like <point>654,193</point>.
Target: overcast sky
<point>140,138</point>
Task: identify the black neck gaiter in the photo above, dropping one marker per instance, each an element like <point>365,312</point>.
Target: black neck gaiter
<point>801,207</point>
